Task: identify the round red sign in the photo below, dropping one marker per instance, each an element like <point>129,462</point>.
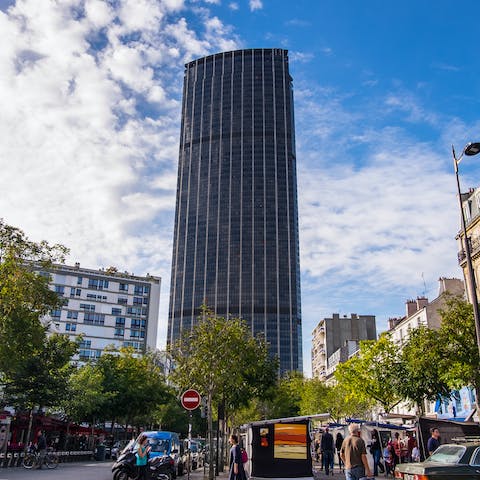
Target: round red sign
<point>191,399</point>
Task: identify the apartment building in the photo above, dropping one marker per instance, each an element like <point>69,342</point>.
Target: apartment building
<point>107,307</point>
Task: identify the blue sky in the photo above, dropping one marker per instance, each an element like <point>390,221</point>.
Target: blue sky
<point>91,93</point>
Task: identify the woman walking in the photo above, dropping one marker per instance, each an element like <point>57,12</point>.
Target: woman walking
<point>237,472</point>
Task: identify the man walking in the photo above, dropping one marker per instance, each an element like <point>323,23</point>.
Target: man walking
<point>327,448</point>
<point>354,455</point>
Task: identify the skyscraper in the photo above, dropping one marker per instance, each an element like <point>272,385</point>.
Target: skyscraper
<point>236,225</point>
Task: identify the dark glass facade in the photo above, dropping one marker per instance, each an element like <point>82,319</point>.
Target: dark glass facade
<point>236,225</point>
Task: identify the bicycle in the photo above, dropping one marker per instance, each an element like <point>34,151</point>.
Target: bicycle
<point>32,459</point>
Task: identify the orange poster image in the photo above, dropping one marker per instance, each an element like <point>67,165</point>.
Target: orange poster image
<point>290,441</point>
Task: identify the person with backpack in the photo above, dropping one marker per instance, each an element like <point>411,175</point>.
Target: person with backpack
<point>237,471</point>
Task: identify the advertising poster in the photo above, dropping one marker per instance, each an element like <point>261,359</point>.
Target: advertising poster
<point>290,441</point>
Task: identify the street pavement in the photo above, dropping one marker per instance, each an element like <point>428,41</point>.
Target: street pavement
<point>102,471</point>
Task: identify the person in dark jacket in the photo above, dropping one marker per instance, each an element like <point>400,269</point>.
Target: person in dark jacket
<point>41,448</point>
<point>338,446</point>
<point>375,450</point>
<point>237,472</point>
<point>327,447</point>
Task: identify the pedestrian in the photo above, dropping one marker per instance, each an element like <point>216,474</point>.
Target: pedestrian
<point>434,441</point>
<point>237,472</point>
<point>41,448</point>
<point>375,450</point>
<point>411,444</point>
<point>397,449</point>
<point>338,446</point>
<point>415,454</point>
<point>141,457</point>
<point>327,447</point>
<point>354,455</point>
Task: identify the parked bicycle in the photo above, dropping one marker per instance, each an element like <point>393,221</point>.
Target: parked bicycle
<point>32,459</point>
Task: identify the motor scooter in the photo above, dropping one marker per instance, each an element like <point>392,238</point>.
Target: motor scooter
<point>158,468</point>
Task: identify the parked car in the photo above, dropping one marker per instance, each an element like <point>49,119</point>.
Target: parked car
<point>449,462</point>
<point>196,453</point>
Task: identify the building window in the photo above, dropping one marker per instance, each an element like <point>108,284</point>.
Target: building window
<point>123,287</point>
<point>137,300</point>
<point>88,307</point>
<point>141,290</point>
<point>72,315</point>
<point>97,283</point>
<point>119,332</point>
<point>94,318</point>
<point>79,280</point>
<point>60,289</point>
<point>137,323</point>
<point>122,301</point>
<point>120,321</point>
<point>116,311</point>
<point>71,327</point>
<point>56,313</point>
<point>134,310</point>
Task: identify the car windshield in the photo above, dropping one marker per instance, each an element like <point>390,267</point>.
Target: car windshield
<point>447,454</point>
<point>159,445</point>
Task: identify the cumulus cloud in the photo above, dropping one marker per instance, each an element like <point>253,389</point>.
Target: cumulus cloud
<point>377,205</point>
<point>255,5</point>
<point>91,95</point>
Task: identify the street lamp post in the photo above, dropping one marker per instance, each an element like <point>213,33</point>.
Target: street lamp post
<point>470,149</point>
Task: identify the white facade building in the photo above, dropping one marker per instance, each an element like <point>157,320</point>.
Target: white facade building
<point>107,307</point>
<point>421,312</point>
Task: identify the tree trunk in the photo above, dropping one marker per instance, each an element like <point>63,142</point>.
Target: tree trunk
<point>211,459</point>
<point>29,430</point>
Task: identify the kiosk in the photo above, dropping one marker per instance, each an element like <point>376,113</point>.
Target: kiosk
<point>280,448</point>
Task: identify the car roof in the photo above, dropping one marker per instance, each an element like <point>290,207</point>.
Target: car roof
<point>160,434</point>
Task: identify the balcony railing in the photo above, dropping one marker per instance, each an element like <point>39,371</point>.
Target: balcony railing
<point>474,244</point>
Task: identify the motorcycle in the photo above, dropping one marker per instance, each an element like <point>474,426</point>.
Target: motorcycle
<point>159,468</point>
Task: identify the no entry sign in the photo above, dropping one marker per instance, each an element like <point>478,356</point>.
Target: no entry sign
<point>191,399</point>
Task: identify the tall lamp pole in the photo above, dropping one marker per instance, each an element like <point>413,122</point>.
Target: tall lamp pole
<point>470,149</point>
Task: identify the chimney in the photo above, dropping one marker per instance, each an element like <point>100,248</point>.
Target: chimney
<point>77,265</point>
<point>411,307</point>
<point>393,322</point>
<point>421,302</point>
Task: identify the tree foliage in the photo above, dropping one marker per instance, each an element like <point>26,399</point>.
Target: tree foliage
<point>457,347</point>
<point>373,375</point>
<point>220,358</point>
<point>24,296</point>
<point>423,377</point>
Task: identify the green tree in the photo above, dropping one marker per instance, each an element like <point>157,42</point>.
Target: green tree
<point>24,296</point>
<point>222,360</point>
<point>85,398</point>
<point>131,383</point>
<point>458,349</point>
<point>423,377</point>
<point>313,397</point>
<point>374,374</point>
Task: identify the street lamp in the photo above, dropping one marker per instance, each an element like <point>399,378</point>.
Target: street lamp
<point>469,150</point>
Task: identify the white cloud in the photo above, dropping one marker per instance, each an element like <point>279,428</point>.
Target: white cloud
<point>91,97</point>
<point>255,5</point>
<point>233,6</point>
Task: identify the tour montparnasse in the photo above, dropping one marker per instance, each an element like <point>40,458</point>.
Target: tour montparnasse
<point>236,245</point>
